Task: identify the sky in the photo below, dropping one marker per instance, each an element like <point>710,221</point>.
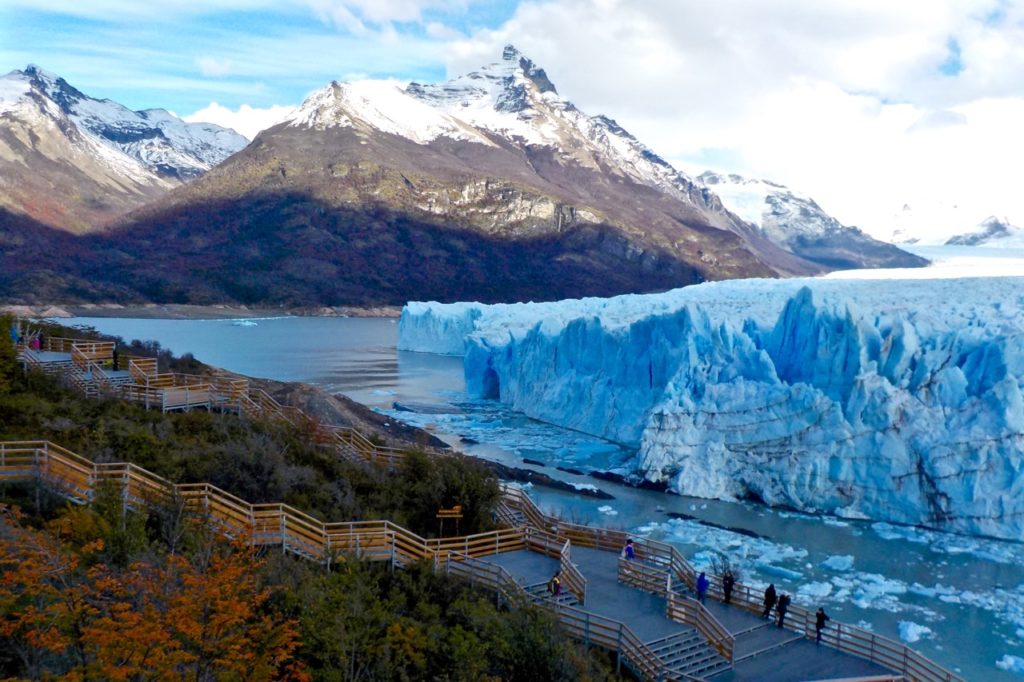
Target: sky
<point>892,114</point>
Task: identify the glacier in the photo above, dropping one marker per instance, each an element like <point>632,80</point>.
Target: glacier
<point>895,400</point>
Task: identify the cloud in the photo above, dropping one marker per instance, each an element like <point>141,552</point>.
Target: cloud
<point>852,101</point>
<point>247,120</point>
<point>214,67</point>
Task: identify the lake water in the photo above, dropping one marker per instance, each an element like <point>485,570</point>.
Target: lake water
<point>968,592</point>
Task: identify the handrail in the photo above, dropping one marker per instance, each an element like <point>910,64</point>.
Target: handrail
<point>574,579</point>
<point>849,639</point>
<point>691,612</point>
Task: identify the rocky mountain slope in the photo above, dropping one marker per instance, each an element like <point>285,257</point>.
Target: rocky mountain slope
<point>76,163</point>
<point>991,232</point>
<point>796,223</point>
<point>490,186</point>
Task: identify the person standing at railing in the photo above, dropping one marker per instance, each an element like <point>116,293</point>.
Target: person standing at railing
<point>15,336</point>
<point>628,552</point>
<point>782,607</point>
<point>728,582</point>
<point>819,623</point>
<point>769,601</point>
<point>702,587</point>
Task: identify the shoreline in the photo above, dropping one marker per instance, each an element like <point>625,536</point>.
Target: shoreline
<point>186,311</point>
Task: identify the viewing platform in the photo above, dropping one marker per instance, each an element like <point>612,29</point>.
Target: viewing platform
<point>643,610</point>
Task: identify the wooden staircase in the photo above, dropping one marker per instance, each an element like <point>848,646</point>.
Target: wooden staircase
<point>686,655</point>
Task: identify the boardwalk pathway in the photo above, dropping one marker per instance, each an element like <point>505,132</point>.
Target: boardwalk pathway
<point>653,624</point>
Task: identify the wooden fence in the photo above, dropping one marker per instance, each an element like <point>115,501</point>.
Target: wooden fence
<point>846,638</point>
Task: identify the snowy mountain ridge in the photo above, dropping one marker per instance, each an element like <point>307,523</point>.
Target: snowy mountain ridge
<point>893,400</point>
<point>161,142</point>
<point>511,101</point>
<point>796,222</point>
<point>991,232</point>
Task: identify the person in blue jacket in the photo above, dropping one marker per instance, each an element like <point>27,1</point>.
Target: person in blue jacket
<point>702,587</point>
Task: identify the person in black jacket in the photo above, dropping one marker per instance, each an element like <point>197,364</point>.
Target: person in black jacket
<point>728,582</point>
<point>769,601</point>
<point>819,623</point>
<point>782,607</point>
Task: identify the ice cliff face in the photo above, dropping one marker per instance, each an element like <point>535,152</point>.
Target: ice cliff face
<point>894,400</point>
<point>991,232</point>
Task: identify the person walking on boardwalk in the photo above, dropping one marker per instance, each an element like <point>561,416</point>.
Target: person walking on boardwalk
<point>819,623</point>
<point>628,552</point>
<point>769,601</point>
<point>555,584</point>
<point>702,587</point>
<point>782,607</point>
<point>728,582</point>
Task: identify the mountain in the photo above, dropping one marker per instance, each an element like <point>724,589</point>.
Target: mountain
<point>76,163</point>
<point>992,232</point>
<point>490,186</point>
<point>796,223</point>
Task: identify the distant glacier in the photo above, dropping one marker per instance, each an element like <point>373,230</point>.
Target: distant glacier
<point>896,400</point>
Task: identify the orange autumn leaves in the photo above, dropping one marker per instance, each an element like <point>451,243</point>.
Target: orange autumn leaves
<point>66,615</point>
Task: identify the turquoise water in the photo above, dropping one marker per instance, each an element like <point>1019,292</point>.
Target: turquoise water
<point>968,592</point>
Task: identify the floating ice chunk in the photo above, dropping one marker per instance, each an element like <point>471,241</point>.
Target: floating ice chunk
<point>838,562</point>
<point>779,571</point>
<point>607,510</point>
<point>814,591</point>
<point>584,486</point>
<point>911,632</point>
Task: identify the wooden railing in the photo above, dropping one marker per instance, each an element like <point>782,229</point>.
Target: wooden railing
<point>682,609</point>
<point>85,352</point>
<point>573,579</point>
<point>846,638</point>
<point>587,627</point>
<point>849,639</point>
<point>141,369</point>
<point>643,576</point>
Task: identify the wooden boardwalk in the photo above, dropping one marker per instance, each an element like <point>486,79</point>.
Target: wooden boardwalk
<point>763,653</point>
<point>641,610</point>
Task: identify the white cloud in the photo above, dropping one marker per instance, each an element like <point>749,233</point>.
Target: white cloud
<point>214,67</point>
<point>247,120</point>
<point>843,99</point>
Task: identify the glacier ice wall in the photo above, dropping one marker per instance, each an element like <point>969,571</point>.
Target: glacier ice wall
<point>894,400</point>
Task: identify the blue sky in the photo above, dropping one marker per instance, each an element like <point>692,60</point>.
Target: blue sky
<point>865,105</point>
<point>255,53</point>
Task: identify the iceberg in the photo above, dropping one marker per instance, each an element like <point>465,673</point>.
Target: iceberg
<point>896,400</point>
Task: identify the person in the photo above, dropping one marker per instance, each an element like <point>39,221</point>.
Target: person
<point>702,587</point>
<point>15,336</point>
<point>35,342</point>
<point>114,358</point>
<point>42,341</point>
<point>769,601</point>
<point>728,582</point>
<point>628,552</point>
<point>782,607</point>
<point>555,584</point>
<point>819,623</point>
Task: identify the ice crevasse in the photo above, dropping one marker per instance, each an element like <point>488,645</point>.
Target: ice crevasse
<point>897,400</point>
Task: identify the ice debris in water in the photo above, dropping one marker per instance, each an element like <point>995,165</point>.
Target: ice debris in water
<point>911,632</point>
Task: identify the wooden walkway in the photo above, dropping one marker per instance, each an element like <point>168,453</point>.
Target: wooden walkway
<point>642,610</point>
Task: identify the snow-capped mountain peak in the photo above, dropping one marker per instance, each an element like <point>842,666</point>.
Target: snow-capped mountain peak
<point>164,144</point>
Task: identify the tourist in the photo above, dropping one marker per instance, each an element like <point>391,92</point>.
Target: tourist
<point>114,360</point>
<point>555,584</point>
<point>782,607</point>
<point>728,582</point>
<point>769,601</point>
<point>702,587</point>
<point>627,551</point>
<point>819,623</point>
<point>15,336</point>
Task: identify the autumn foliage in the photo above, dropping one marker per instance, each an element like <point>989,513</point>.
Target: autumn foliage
<point>66,614</point>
